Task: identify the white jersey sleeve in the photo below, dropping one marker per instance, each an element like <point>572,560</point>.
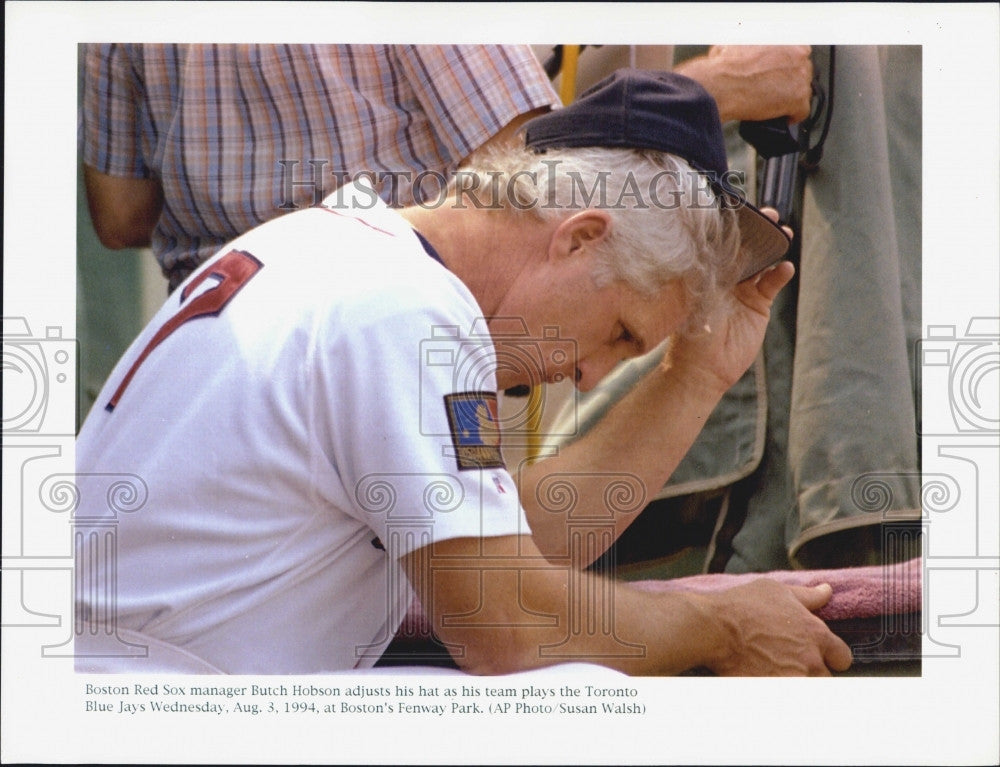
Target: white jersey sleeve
<point>406,413</point>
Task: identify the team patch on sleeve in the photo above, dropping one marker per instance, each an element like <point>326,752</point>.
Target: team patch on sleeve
<point>475,430</point>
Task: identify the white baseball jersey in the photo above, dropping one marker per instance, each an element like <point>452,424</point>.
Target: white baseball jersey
<point>311,404</point>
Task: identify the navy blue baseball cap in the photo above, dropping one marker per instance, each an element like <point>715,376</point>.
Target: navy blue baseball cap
<point>667,112</point>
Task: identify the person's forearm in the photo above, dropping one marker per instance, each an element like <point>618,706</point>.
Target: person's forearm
<point>755,82</point>
<point>623,460</point>
<point>643,437</point>
<point>527,613</point>
<point>124,210</point>
<point>500,607</point>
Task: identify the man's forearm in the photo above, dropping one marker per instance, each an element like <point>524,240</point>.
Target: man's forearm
<point>501,607</point>
<point>755,82</point>
<point>124,210</point>
<point>647,433</point>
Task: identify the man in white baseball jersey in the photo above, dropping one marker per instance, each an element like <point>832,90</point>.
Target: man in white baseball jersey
<point>312,417</point>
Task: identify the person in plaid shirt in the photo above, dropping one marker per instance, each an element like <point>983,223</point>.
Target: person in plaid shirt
<point>187,146</point>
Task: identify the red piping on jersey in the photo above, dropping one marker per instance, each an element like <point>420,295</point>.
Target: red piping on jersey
<point>355,218</point>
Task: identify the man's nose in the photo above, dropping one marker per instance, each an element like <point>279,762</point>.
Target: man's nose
<point>591,370</point>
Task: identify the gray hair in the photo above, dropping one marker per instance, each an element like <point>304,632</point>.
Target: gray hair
<point>667,223</point>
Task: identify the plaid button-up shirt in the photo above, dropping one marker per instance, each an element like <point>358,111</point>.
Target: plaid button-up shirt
<point>238,134</point>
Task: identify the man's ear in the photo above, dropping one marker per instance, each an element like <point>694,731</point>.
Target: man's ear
<point>586,228</point>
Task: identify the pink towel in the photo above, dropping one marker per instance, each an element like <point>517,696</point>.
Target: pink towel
<point>858,592</point>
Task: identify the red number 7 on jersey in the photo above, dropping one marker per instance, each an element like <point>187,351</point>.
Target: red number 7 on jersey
<point>233,270</point>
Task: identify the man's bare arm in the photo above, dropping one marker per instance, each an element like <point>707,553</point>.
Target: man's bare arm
<point>124,210</point>
<point>646,434</point>
<point>755,82</point>
<point>502,607</point>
